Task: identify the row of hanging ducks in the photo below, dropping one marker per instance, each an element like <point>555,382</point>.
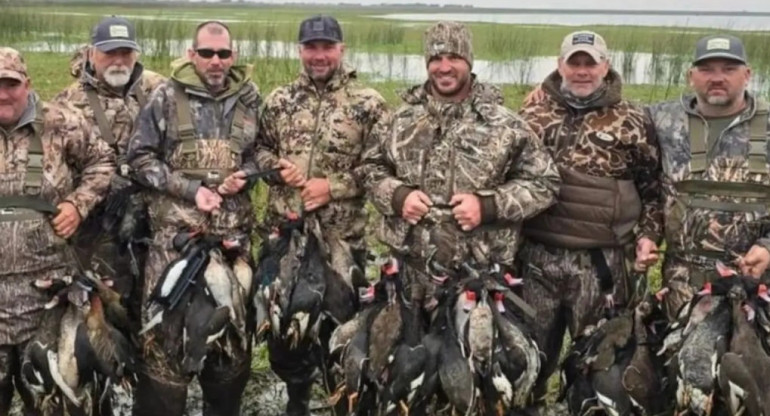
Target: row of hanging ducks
<point>473,355</point>
<point>84,349</point>
<point>712,360</point>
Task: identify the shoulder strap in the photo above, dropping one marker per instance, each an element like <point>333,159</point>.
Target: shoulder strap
<point>758,138</point>
<point>237,136</point>
<point>185,127</point>
<point>101,119</point>
<point>141,97</point>
<point>697,133</point>
<point>33,177</point>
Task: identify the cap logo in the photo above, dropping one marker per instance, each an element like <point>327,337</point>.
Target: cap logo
<point>318,26</point>
<point>583,39</point>
<point>718,43</point>
<point>438,47</point>
<point>118,31</point>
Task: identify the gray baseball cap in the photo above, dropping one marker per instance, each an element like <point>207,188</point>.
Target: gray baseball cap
<point>719,46</point>
<point>320,28</point>
<point>113,33</point>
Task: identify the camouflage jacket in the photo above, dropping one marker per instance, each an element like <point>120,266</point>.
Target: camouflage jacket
<point>323,134</point>
<point>730,233</point>
<point>443,149</point>
<point>578,140</point>
<point>155,152</point>
<point>120,108</point>
<point>76,167</point>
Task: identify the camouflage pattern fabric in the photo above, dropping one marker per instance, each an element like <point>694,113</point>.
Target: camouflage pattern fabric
<point>156,156</point>
<point>323,133</point>
<point>723,233</point>
<point>77,169</point>
<point>562,286</point>
<point>446,148</point>
<point>121,108</point>
<point>613,139</point>
<point>96,246</point>
<point>448,37</point>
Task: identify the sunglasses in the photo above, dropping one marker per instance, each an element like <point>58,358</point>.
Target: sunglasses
<point>209,53</point>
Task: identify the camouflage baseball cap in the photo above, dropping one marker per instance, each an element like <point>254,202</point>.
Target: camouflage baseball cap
<point>585,41</point>
<point>12,64</point>
<point>448,37</point>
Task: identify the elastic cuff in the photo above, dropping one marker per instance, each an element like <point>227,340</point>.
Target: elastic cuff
<point>399,197</point>
<point>192,189</point>
<point>488,208</point>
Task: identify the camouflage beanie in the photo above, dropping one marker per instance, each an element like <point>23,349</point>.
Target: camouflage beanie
<point>448,37</point>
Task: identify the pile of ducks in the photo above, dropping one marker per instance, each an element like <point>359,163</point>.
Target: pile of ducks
<point>714,359</point>
<point>474,354</point>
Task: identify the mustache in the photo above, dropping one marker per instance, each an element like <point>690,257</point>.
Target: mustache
<point>119,69</point>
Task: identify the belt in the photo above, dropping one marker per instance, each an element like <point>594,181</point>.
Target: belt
<point>19,214</point>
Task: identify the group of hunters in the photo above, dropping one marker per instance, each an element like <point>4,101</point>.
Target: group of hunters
<point>574,194</point>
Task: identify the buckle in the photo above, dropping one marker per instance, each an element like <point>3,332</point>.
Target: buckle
<point>7,211</point>
<point>125,170</point>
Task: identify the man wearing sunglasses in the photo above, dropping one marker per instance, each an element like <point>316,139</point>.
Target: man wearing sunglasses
<point>111,87</point>
<point>313,130</point>
<point>189,151</point>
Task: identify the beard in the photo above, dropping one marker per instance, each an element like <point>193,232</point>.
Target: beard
<point>449,92</point>
<point>320,76</point>
<point>117,75</point>
<point>720,101</point>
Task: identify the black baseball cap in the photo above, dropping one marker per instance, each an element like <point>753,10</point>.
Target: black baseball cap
<point>719,46</point>
<point>320,28</point>
<point>113,33</point>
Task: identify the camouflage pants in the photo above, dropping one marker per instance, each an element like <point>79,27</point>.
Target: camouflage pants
<point>563,288</point>
<point>162,385</point>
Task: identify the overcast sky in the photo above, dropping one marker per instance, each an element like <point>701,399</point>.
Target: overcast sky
<point>709,5</point>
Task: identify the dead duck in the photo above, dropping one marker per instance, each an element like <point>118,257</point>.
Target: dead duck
<point>743,371</point>
<point>405,370</point>
<point>700,349</point>
<point>101,348</point>
<point>302,317</point>
<point>269,298</point>
<point>204,323</point>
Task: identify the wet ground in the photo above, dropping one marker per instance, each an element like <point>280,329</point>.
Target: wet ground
<point>265,395</point>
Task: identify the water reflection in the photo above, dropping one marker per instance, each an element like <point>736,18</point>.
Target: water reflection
<point>556,17</point>
<point>636,68</point>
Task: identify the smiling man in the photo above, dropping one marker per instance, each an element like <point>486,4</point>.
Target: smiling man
<point>453,172</point>
<point>111,87</point>
<point>578,256</point>
<point>314,130</point>
<point>192,150</point>
<point>715,171</point>
<point>53,172</point>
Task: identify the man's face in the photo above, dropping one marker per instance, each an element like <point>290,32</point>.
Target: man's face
<point>719,81</point>
<point>449,75</point>
<point>113,67</point>
<point>581,74</point>
<point>213,58</point>
<point>13,100</point>
<point>321,59</point>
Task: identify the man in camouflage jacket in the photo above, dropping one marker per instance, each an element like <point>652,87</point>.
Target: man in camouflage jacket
<point>188,151</point>
<point>314,130</point>
<point>453,172</point>
<point>111,88</point>
<point>715,171</point>
<point>48,156</point>
<point>579,256</point>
